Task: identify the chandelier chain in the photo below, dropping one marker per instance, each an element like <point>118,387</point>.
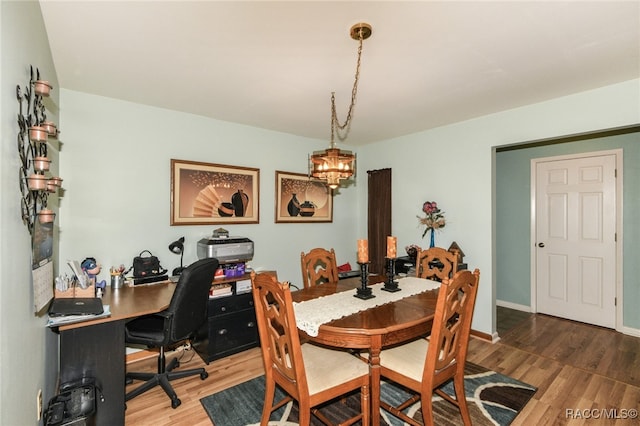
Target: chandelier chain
<point>335,122</point>
<point>333,165</point>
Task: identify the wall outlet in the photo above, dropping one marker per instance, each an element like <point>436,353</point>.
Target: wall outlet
<point>39,403</point>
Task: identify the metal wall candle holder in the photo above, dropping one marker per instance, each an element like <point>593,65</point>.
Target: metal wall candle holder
<point>364,292</point>
<point>391,285</point>
<point>33,134</point>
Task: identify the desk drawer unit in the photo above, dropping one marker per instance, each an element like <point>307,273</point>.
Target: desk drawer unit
<point>231,327</point>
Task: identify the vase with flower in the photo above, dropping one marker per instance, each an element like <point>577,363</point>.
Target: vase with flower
<point>433,219</point>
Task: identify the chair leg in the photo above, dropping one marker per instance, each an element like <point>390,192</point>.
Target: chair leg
<point>427,408</point>
<point>269,394</point>
<point>149,384</point>
<point>458,384</point>
<point>163,378</point>
<point>365,405</point>
<point>304,413</point>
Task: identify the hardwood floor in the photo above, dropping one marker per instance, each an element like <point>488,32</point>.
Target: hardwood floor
<point>575,367</point>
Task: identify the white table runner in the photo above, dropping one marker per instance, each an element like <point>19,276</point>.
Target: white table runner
<point>311,314</point>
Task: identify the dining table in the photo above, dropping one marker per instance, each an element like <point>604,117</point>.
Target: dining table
<point>331,315</point>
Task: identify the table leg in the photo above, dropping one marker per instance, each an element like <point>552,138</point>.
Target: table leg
<point>374,378</point>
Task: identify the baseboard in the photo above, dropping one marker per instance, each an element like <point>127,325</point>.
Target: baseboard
<point>631,331</point>
<point>141,355</point>
<point>511,305</point>
<point>493,338</point>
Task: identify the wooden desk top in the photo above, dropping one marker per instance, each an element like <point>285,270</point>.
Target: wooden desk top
<point>130,302</point>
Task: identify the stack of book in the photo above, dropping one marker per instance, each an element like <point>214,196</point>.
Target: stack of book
<point>220,290</point>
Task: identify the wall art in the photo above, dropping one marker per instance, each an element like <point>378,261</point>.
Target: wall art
<point>204,193</point>
<point>301,199</point>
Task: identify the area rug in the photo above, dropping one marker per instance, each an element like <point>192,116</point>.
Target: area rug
<point>493,399</point>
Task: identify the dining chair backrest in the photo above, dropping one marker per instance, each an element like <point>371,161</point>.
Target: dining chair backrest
<point>310,374</point>
<point>279,339</point>
<point>447,351</point>
<point>318,267</point>
<point>436,263</point>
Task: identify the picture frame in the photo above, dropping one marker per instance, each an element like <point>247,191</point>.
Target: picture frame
<point>206,193</point>
<point>300,199</point>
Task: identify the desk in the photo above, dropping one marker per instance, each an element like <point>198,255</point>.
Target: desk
<point>373,329</point>
<point>96,348</point>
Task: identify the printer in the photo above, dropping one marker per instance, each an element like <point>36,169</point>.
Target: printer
<point>226,249</point>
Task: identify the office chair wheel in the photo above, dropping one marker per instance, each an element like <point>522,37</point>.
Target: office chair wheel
<point>204,375</point>
<point>175,402</point>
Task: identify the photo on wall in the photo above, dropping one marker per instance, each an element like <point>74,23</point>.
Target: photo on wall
<point>301,199</point>
<point>205,193</point>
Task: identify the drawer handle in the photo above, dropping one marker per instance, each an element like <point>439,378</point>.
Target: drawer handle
<point>223,309</point>
<point>251,324</point>
<point>222,331</point>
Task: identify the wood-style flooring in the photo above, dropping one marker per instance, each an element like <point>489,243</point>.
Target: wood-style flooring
<point>575,367</point>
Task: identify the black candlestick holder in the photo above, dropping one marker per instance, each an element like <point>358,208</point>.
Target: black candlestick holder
<point>391,285</point>
<point>364,292</point>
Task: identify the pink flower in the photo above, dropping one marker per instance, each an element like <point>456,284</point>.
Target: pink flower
<point>434,218</point>
<point>430,207</point>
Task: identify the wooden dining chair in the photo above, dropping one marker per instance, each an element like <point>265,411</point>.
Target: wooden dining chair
<point>318,267</point>
<point>308,373</point>
<point>436,263</point>
<point>423,366</point>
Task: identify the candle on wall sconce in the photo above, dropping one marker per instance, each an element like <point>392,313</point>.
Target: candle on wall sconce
<point>56,180</point>
<point>53,184</point>
<point>50,128</point>
<point>46,216</point>
<point>37,182</point>
<point>41,163</point>
<point>363,251</point>
<point>42,87</point>
<point>391,247</point>
<point>38,134</point>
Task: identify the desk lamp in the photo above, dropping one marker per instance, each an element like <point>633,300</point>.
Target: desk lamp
<point>177,247</point>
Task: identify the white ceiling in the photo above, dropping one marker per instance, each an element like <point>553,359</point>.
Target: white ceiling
<point>274,64</point>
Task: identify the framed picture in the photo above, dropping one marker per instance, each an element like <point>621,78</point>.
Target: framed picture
<point>204,193</point>
<point>300,199</point>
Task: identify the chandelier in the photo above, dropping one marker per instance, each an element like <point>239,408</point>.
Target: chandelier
<point>333,164</point>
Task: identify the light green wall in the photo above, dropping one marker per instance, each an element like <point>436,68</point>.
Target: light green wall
<point>455,166</point>
<point>513,217</point>
<point>28,350</point>
<point>116,166</point>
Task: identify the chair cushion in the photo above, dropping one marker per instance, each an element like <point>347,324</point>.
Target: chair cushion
<point>147,330</point>
<point>407,359</point>
<point>327,368</point>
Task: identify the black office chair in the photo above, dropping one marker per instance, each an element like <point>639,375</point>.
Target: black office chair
<point>187,311</point>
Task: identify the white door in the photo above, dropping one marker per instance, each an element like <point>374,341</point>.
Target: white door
<point>575,228</point>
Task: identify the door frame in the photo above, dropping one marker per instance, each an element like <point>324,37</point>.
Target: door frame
<point>618,226</point>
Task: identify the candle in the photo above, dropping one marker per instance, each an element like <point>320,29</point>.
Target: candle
<point>363,251</point>
<point>391,247</point>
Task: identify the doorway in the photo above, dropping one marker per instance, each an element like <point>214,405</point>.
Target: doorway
<point>575,267</point>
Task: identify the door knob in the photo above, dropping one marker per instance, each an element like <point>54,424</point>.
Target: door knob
<point>540,244</point>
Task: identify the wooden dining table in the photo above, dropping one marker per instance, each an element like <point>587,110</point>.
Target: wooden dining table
<point>374,328</point>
